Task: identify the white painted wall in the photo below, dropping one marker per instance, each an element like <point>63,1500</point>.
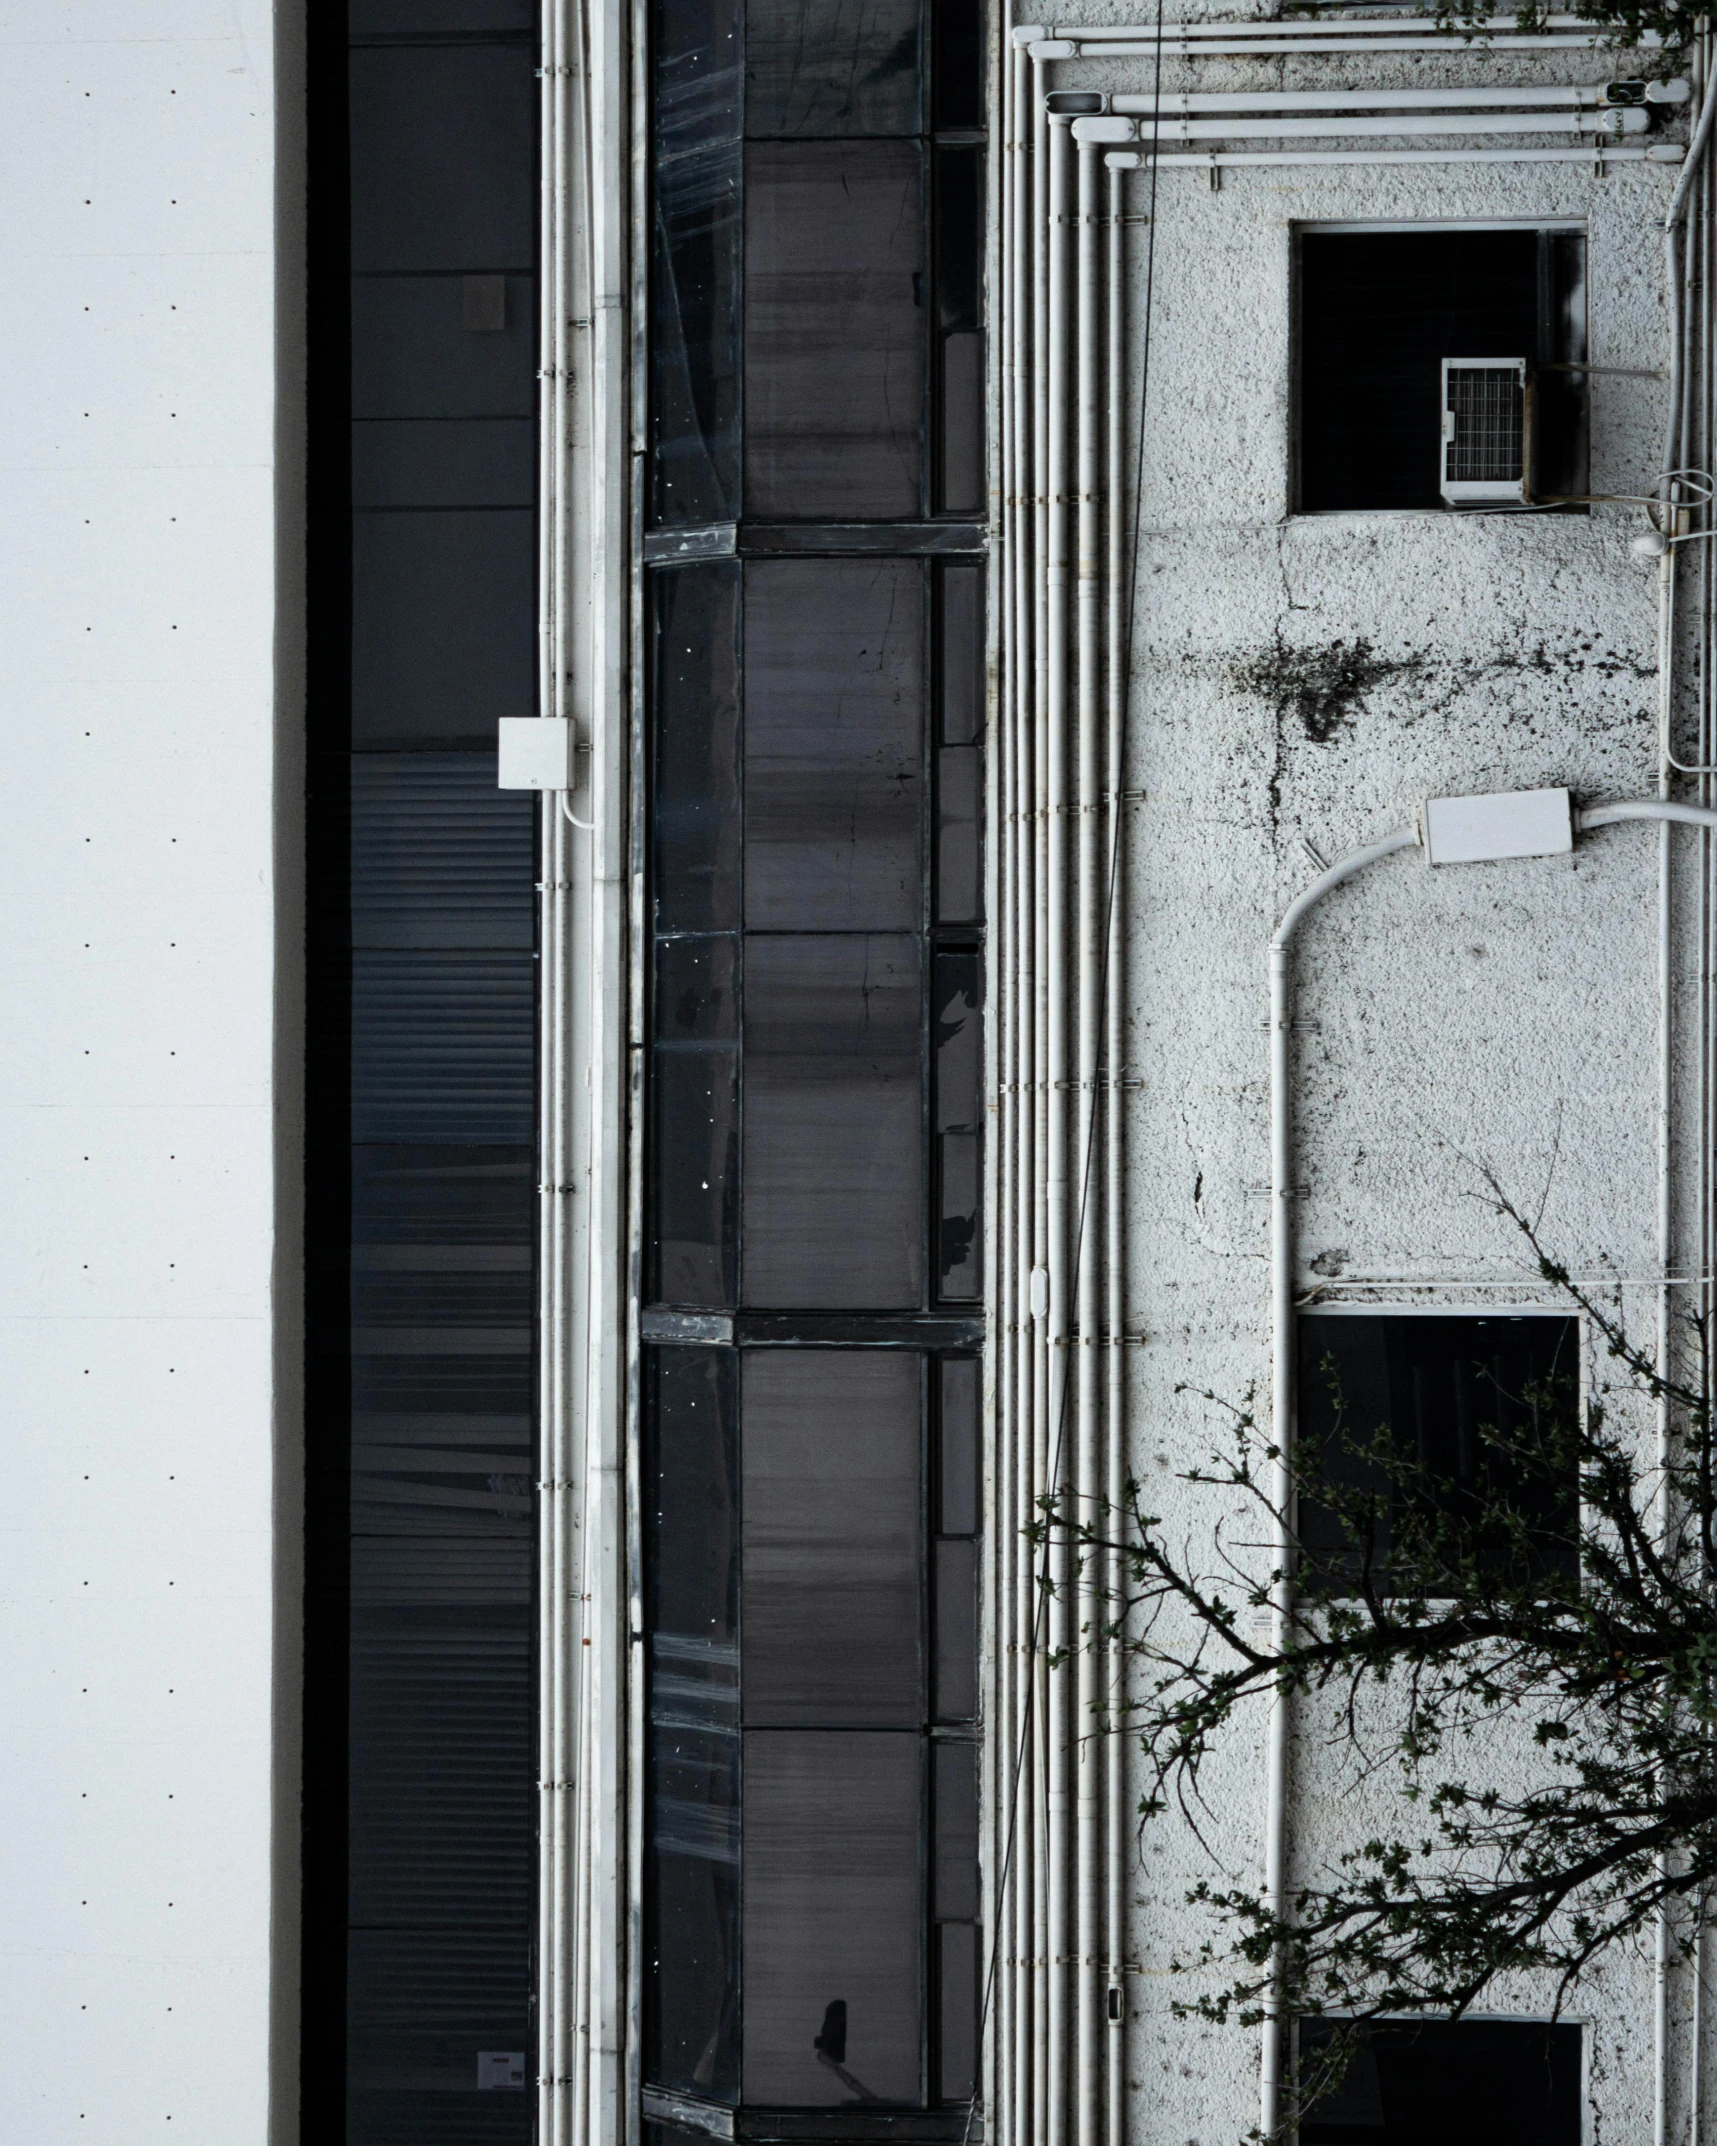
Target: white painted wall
<point>136,1087</point>
<point>1502,1014</point>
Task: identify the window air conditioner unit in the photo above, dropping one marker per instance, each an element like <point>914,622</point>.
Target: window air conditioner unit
<point>1487,430</point>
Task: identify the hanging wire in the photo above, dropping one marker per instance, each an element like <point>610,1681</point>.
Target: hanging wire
<point>1040,1609</point>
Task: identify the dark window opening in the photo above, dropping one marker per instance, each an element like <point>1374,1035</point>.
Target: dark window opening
<point>1438,1439</point>
<point>1421,2083</point>
<point>1379,316</point>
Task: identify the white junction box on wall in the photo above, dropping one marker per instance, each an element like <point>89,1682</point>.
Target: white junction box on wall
<point>535,753</point>
<point>1506,823</point>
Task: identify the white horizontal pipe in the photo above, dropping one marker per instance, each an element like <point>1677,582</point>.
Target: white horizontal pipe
<point>1603,126</point>
<point>1292,32</point>
<point>1315,1286</point>
<point>1591,98</point>
<point>1110,48</point>
<point>1645,808</point>
<point>1659,153</point>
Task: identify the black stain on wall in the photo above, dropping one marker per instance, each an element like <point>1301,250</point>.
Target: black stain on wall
<point>1320,687</point>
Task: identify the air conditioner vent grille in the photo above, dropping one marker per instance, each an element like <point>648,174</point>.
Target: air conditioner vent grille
<point>1487,429</point>
<point>1489,412</point>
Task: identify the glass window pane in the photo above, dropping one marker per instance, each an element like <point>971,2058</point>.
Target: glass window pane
<point>959,808</point>
<point>959,1147</point>
<point>959,1245</point>
<point>694,1124</point>
<point>956,2010</point>
<point>955,1898</point>
<point>959,1040</point>
<point>442,1829</point>
<point>1489,2082</point>
<point>396,18</point>
<point>958,1484</point>
<point>958,62</point>
<point>1436,1386</point>
<point>960,634</point>
<point>695,265</point>
<point>692,1613</point>
<point>960,363</point>
<point>833,1448</point>
<point>833,1142</point>
<point>423,2011</point>
<point>443,1243</point>
<point>444,462</point>
<point>826,67</point>
<point>834,1916</point>
<point>444,609</point>
<point>444,157</point>
<point>834,329</point>
<point>961,474</point>
<point>956,1614</point>
<point>691,1935</point>
<point>443,1046</point>
<point>696,821</point>
<point>413,356</point>
<point>693,1516</point>
<point>439,855</point>
<point>834,718</point>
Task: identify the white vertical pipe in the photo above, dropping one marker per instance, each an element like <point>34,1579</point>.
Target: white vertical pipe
<point>1022,836</point>
<point>1678,278</point>
<point>1003,1980</point>
<point>553,1757</point>
<point>1086,1358</point>
<point>569,292</point>
<point>1041,813</point>
<point>1677,260</point>
<point>1114,1316</point>
<point>603,587</point>
<point>1055,1171</point>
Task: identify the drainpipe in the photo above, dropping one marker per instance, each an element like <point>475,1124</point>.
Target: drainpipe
<point>1675,428</point>
<point>1055,576</point>
<point>1115,1746</point>
<point>1087,1479</point>
<point>556,1907</point>
<point>1001,1981</point>
<point>1022,837</point>
<point>1041,1947</point>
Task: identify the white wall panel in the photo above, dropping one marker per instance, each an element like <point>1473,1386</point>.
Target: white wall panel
<point>137,971</point>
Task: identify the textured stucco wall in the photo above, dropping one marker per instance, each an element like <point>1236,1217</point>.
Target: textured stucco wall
<point>1310,680</point>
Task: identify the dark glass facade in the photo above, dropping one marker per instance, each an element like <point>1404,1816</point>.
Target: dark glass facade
<point>420,1852</point>
<point>813,1154</point>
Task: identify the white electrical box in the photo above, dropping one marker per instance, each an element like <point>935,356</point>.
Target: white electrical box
<point>1506,823</point>
<point>536,753</point>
